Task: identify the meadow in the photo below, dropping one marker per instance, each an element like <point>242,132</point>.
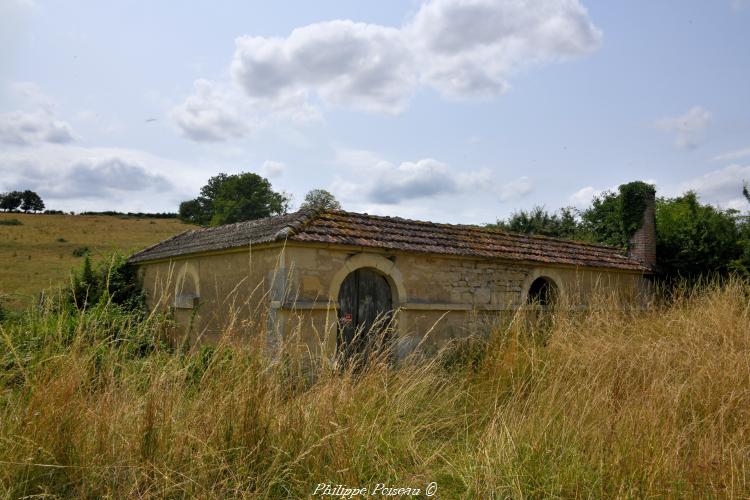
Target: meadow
<point>604,403</point>
<point>40,250</point>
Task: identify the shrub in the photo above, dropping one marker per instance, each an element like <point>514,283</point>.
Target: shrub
<point>10,222</point>
<point>112,280</point>
<point>81,252</point>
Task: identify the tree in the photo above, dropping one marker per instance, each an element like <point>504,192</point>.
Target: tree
<point>603,220</point>
<point>692,239</point>
<point>561,224</point>
<point>320,199</point>
<point>233,198</point>
<point>695,239</point>
<point>192,211</point>
<point>31,202</point>
<point>11,201</point>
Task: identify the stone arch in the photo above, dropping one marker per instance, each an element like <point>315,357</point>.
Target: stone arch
<point>187,289</point>
<point>390,272</point>
<point>373,261</point>
<point>543,292</point>
<point>547,274</point>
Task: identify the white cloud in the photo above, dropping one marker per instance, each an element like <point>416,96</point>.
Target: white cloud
<point>273,168</point>
<point>688,128</point>
<point>733,155</point>
<point>77,178</point>
<point>419,179</point>
<point>722,187</point>
<point>33,95</point>
<point>515,189</point>
<point>365,66</point>
<point>462,48</point>
<point>21,128</point>
<point>471,47</point>
<point>372,183</point>
<point>582,198</point>
<point>211,114</point>
<point>34,122</point>
<point>218,112</point>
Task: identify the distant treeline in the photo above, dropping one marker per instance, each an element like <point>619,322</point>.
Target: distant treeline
<point>142,215</point>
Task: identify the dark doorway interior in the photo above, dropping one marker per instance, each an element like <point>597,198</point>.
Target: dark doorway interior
<point>365,305</point>
<point>542,292</point>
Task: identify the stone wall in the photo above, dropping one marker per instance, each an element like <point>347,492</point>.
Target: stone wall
<point>447,297</point>
<point>230,292</point>
<point>292,292</point>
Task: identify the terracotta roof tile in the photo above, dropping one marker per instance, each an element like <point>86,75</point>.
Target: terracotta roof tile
<point>392,233</point>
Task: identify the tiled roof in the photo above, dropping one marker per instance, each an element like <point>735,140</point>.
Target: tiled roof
<point>391,233</point>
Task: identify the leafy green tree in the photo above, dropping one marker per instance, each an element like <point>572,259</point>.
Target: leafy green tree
<point>613,217</point>
<point>31,202</point>
<point>11,201</point>
<point>603,220</point>
<point>695,239</point>
<point>561,224</point>
<point>320,199</point>
<point>233,198</point>
<point>192,211</point>
<point>201,209</point>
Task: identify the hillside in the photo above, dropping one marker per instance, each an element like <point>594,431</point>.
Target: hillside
<point>41,250</point>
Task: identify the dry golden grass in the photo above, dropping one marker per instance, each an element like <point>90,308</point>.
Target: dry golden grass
<point>32,257</point>
<point>601,404</point>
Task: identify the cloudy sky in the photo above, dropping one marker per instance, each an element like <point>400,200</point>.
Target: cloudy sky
<point>449,110</point>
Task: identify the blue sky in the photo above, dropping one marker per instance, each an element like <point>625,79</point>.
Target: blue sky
<point>449,110</point>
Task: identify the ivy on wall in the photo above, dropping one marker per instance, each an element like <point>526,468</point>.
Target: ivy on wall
<point>633,196</point>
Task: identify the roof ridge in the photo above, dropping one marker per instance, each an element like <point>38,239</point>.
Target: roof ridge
<point>302,218</point>
<point>162,242</point>
<point>481,229</point>
<point>365,230</point>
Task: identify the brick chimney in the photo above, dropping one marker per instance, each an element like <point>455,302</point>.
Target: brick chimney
<point>642,245</point>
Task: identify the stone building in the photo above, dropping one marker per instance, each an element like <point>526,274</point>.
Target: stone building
<point>324,274</point>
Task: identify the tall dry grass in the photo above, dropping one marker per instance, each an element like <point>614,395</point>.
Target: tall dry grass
<point>603,403</point>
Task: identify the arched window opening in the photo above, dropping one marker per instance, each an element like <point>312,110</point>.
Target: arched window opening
<point>543,292</point>
<point>186,290</point>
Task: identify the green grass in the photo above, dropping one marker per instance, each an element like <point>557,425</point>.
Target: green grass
<point>38,251</point>
<point>602,404</point>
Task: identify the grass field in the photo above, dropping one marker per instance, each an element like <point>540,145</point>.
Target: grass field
<point>597,404</point>
<point>39,252</point>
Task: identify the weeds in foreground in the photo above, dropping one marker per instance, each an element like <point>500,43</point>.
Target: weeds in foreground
<point>601,404</point>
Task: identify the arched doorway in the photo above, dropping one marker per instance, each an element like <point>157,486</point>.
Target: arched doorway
<point>365,304</point>
<point>543,292</point>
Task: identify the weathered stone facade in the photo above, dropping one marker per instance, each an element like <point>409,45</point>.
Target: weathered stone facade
<point>292,289</point>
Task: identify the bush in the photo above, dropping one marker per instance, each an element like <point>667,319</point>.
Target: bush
<point>112,281</point>
<point>81,252</point>
<point>10,222</point>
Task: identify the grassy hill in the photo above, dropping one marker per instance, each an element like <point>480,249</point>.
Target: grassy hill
<point>40,251</point>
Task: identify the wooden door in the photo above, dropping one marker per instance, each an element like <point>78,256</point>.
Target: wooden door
<point>365,305</point>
